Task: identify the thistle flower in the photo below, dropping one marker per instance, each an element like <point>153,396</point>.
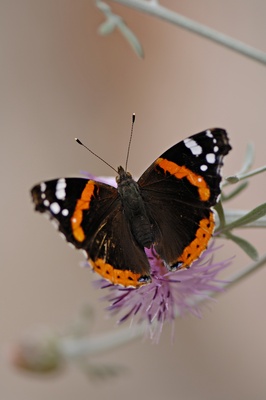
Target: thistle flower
<point>169,294</point>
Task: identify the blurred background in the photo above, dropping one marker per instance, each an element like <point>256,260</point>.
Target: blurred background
<point>60,79</point>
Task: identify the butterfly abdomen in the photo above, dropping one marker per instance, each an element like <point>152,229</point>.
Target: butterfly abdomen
<point>134,209</point>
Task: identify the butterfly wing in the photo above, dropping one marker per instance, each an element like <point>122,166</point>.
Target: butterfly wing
<point>90,216</point>
<point>179,189</point>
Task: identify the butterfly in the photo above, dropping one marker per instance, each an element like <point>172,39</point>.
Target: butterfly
<point>168,209</point>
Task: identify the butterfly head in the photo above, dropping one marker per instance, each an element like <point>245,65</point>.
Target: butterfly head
<point>123,175</point>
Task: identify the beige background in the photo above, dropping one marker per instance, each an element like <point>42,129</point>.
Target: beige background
<point>59,80</point>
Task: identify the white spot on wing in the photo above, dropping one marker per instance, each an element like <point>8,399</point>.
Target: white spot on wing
<point>43,187</point>
<point>61,183</point>
<point>46,203</point>
<point>203,167</point>
<point>210,158</point>
<point>215,149</point>
<point>209,134</point>
<point>189,143</point>
<point>65,212</point>
<point>55,208</point>
<point>197,150</point>
<point>60,192</point>
<point>193,146</point>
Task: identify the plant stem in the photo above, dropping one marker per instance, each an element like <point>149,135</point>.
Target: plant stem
<point>89,346</point>
<point>155,9</point>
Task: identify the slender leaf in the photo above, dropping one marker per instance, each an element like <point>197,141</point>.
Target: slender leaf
<point>104,7</point>
<point>220,211</point>
<point>251,216</point>
<point>249,159</point>
<point>131,38</point>
<point>107,27</point>
<point>247,247</point>
<point>233,215</point>
<point>241,177</point>
<point>232,179</point>
<point>115,21</point>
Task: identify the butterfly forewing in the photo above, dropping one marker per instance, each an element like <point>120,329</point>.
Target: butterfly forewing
<point>90,216</point>
<point>179,189</point>
<point>67,200</point>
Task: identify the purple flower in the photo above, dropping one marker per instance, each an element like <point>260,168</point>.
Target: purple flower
<point>169,294</point>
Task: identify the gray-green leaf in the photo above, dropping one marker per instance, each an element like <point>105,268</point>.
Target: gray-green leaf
<point>107,27</point>
<point>248,248</point>
<point>253,215</point>
<point>131,38</point>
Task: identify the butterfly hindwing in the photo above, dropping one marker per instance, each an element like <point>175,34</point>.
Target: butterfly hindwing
<point>115,253</point>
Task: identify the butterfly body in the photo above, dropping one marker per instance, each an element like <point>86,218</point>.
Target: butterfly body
<point>134,208</point>
<point>168,209</point>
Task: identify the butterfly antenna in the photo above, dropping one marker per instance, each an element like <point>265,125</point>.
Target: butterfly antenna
<point>130,139</point>
<point>96,155</point>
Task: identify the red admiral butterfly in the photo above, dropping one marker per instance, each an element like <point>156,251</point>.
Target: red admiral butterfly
<point>168,208</point>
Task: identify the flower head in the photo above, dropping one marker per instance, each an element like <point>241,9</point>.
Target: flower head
<point>169,294</point>
<point>37,352</point>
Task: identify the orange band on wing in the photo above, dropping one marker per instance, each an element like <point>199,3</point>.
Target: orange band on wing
<point>183,172</point>
<point>82,204</point>
<point>116,277</point>
<point>199,244</point>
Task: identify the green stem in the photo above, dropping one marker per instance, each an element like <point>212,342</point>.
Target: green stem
<point>75,348</point>
<point>155,9</point>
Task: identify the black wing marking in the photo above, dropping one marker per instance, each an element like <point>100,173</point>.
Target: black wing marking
<point>63,198</point>
<point>212,143</point>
